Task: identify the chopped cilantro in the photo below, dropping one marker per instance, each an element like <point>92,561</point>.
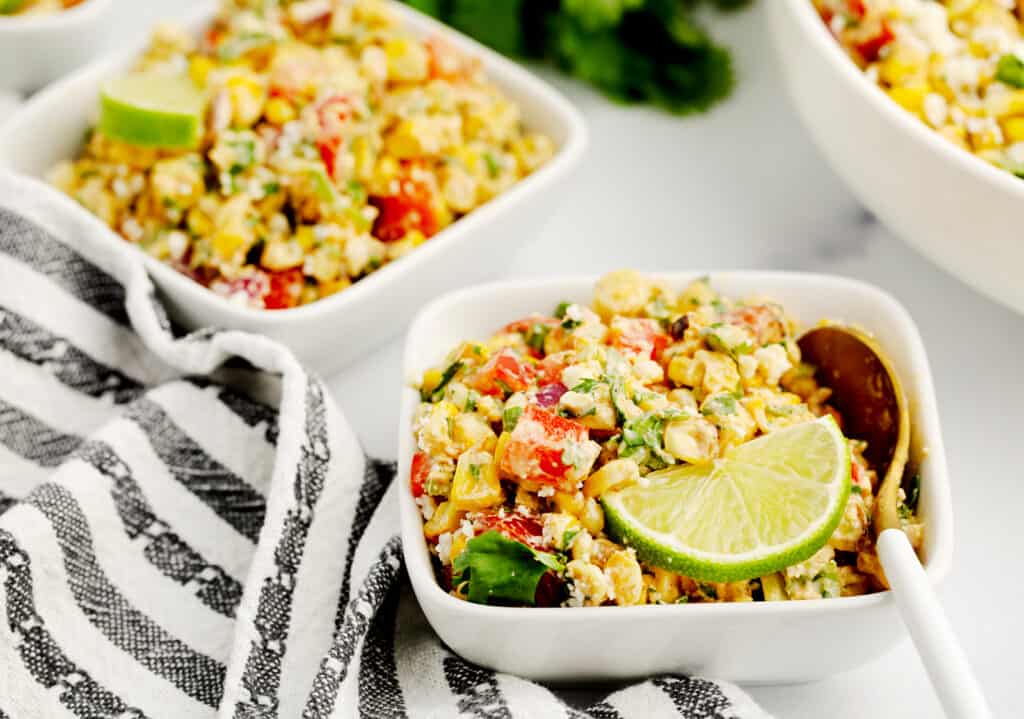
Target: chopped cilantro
<point>271,188</point>
<point>438,392</point>
<point>562,308</point>
<point>642,439</point>
<point>356,191</point>
<point>915,492</point>
<point>536,335</point>
<point>510,417</point>
<point>568,324</point>
<point>502,569</point>
<point>568,537</point>
<point>586,385</point>
<point>652,51</point>
<point>1010,70</point>
<point>493,166</point>
<point>856,490</point>
<point>683,600</point>
<point>471,401</point>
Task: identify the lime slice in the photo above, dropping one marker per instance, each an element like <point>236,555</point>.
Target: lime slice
<point>764,506</point>
<point>153,110</point>
<point>9,7</point>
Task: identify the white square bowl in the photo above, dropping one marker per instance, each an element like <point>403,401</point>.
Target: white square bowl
<point>330,333</point>
<point>754,642</point>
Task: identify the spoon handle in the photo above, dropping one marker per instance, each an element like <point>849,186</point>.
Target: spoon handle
<point>943,658</point>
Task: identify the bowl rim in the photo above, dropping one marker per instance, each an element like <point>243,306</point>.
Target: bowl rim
<point>804,15</point>
<point>551,102</point>
<point>417,560</point>
<point>83,12</point>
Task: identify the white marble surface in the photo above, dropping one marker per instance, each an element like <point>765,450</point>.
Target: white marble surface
<point>742,188</point>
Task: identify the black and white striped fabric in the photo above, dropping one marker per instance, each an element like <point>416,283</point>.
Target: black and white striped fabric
<point>189,528</point>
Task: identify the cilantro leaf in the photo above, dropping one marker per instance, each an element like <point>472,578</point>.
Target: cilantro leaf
<point>510,417</point>
<point>586,385</point>
<point>562,308</point>
<point>438,392</point>
<point>651,51</point>
<point>535,336</point>
<point>503,570</point>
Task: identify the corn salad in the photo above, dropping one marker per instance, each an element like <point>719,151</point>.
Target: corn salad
<point>335,143</point>
<point>519,436</point>
<point>35,7</point>
<point>958,65</point>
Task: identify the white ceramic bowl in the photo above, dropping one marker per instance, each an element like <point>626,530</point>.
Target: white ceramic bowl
<point>37,49</point>
<point>952,206</point>
<point>756,642</point>
<point>332,332</point>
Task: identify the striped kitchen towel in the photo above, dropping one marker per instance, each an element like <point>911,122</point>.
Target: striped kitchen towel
<point>190,528</point>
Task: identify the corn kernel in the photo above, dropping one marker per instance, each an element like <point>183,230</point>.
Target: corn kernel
<point>626,578</point>
<point>1013,128</point>
<point>616,474</point>
<point>910,97</point>
<point>500,447</point>
<point>471,430</point>
<point>458,545</point>
<point>592,516</point>
<point>279,111</point>
<point>199,69</point>
<point>446,518</point>
<point>666,584</point>
<point>569,503</point>
<point>476,484</point>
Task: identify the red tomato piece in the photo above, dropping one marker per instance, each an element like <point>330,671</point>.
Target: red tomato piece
<point>411,208</point>
<point>643,337</point>
<point>334,113</point>
<point>285,289</point>
<point>524,325</point>
<point>519,527</point>
<point>549,369</point>
<point>503,373</point>
<point>762,320</point>
<point>418,473</point>
<point>537,445</point>
<point>870,48</point>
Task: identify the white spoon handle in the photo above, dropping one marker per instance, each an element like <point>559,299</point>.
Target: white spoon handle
<point>957,688</point>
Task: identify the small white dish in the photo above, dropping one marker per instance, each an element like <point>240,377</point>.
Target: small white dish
<point>35,50</point>
<point>953,207</point>
<point>332,332</point>
<point>754,642</point>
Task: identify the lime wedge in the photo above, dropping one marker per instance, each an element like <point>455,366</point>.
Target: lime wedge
<point>153,110</point>
<point>764,506</point>
<point>9,7</point>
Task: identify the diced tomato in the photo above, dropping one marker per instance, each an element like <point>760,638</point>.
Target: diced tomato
<point>446,61</point>
<point>534,330</point>
<point>762,320</point>
<point>412,208</point>
<point>418,473</point>
<point>526,324</point>
<point>334,113</point>
<point>643,337</point>
<point>285,289</point>
<point>871,48</point>
<point>503,373</point>
<point>537,446</point>
<point>549,369</point>
<point>520,527</point>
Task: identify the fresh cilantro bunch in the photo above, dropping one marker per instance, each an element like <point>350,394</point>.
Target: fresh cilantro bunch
<point>650,51</point>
